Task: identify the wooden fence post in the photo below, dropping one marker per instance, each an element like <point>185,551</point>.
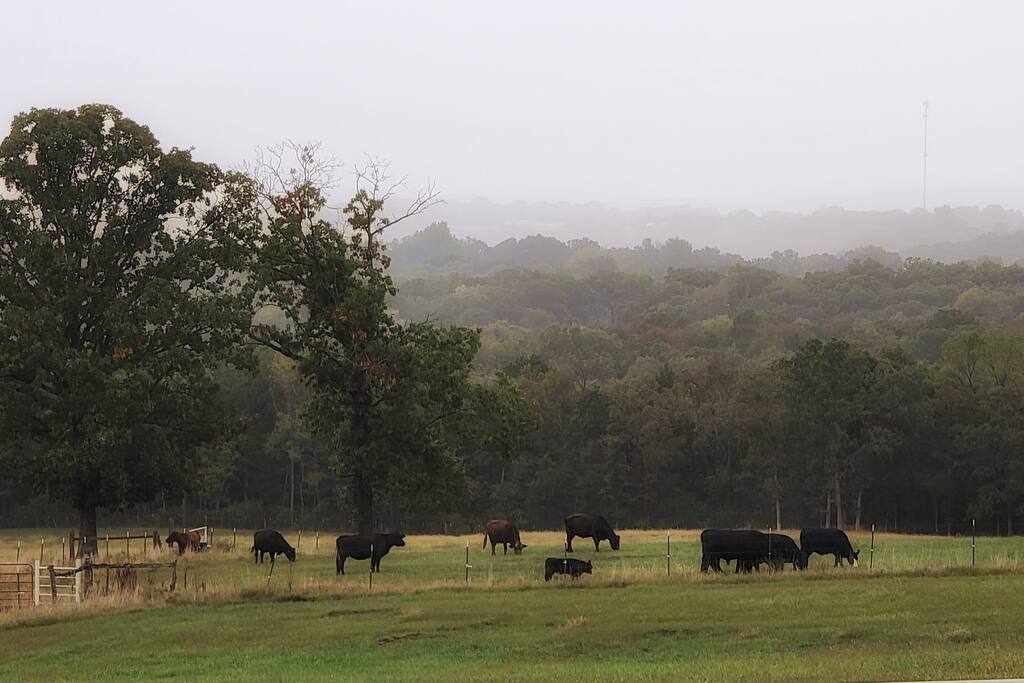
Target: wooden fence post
<point>17,557</point>
<point>871,556</point>
<point>35,582</point>
<point>234,537</point>
<point>316,540</point>
<point>53,586</point>
<point>298,543</point>
<point>108,547</point>
<point>128,544</point>
<point>974,541</point>
<point>668,553</point>
<point>63,551</point>
<point>174,575</point>
<point>42,542</point>
<point>78,581</point>
<point>467,563</point>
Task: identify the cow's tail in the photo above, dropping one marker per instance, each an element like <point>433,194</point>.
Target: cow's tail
<point>485,542</point>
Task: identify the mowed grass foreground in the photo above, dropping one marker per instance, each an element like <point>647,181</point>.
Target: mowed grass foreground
<point>924,619</point>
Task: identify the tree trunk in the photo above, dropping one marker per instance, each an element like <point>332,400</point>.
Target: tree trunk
<point>935,511</point>
<point>840,520</point>
<point>828,510</point>
<point>87,530</point>
<point>860,498</point>
<point>778,514</point>
<point>362,493</point>
<point>291,491</point>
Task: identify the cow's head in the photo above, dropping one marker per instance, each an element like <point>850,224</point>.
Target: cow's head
<point>801,560</point>
<point>590,565</point>
<point>397,540</point>
<point>614,540</point>
<point>854,554</point>
<point>290,553</point>
<point>518,547</point>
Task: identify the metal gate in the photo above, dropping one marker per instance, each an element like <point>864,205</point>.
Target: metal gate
<point>17,586</point>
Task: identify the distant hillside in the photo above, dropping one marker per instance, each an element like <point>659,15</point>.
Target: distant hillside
<point>828,230</point>
<point>1001,247</point>
<point>435,251</point>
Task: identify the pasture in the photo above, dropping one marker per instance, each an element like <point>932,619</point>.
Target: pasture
<point>921,613</point>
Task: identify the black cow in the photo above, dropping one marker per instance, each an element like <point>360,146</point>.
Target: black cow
<point>783,549</point>
<point>748,547</point>
<point>505,533</point>
<point>269,541</point>
<point>829,542</point>
<point>589,526</point>
<point>568,566</point>
<point>366,546</point>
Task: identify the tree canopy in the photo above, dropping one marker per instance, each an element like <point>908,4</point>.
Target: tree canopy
<point>117,297</point>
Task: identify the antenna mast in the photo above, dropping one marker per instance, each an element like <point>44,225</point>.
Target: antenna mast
<point>924,179</point>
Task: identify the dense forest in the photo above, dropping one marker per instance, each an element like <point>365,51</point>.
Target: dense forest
<point>658,385</point>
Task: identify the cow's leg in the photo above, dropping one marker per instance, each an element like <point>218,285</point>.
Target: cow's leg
<point>492,547</point>
<point>568,541</point>
<point>836,556</point>
<point>504,548</point>
<point>341,564</point>
<point>597,546</point>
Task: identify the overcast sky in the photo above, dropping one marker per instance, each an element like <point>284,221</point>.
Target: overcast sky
<point>784,105</point>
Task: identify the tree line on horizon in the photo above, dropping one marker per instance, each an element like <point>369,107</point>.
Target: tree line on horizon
<point>248,362</point>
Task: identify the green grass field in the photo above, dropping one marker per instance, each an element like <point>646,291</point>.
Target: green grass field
<point>921,613</point>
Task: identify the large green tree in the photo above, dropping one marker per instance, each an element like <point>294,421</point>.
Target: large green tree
<point>394,399</point>
<point>117,297</point>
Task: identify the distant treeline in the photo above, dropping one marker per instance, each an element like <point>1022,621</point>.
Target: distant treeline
<point>702,398</point>
<point>436,251</point>
<point>255,364</point>
<point>791,243</point>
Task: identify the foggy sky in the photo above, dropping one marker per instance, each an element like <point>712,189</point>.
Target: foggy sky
<point>746,104</point>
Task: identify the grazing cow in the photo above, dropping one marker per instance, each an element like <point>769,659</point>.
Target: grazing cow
<point>829,542</point>
<point>186,540</point>
<point>505,533</point>
<point>270,542</point>
<point>590,526</point>
<point>567,566</point>
<point>366,546</point>
<point>748,547</point>
<point>783,549</point>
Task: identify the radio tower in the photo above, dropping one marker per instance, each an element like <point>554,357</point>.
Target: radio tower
<point>924,180</point>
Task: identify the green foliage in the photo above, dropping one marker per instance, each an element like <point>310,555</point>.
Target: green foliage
<point>393,400</point>
<point>118,295</point>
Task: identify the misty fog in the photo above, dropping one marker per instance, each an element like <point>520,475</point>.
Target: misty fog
<point>527,118</point>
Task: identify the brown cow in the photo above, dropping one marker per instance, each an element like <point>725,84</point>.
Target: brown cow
<point>186,540</point>
<point>505,533</point>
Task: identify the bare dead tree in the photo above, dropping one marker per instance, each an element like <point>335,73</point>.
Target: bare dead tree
<point>293,177</point>
<point>375,188</point>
